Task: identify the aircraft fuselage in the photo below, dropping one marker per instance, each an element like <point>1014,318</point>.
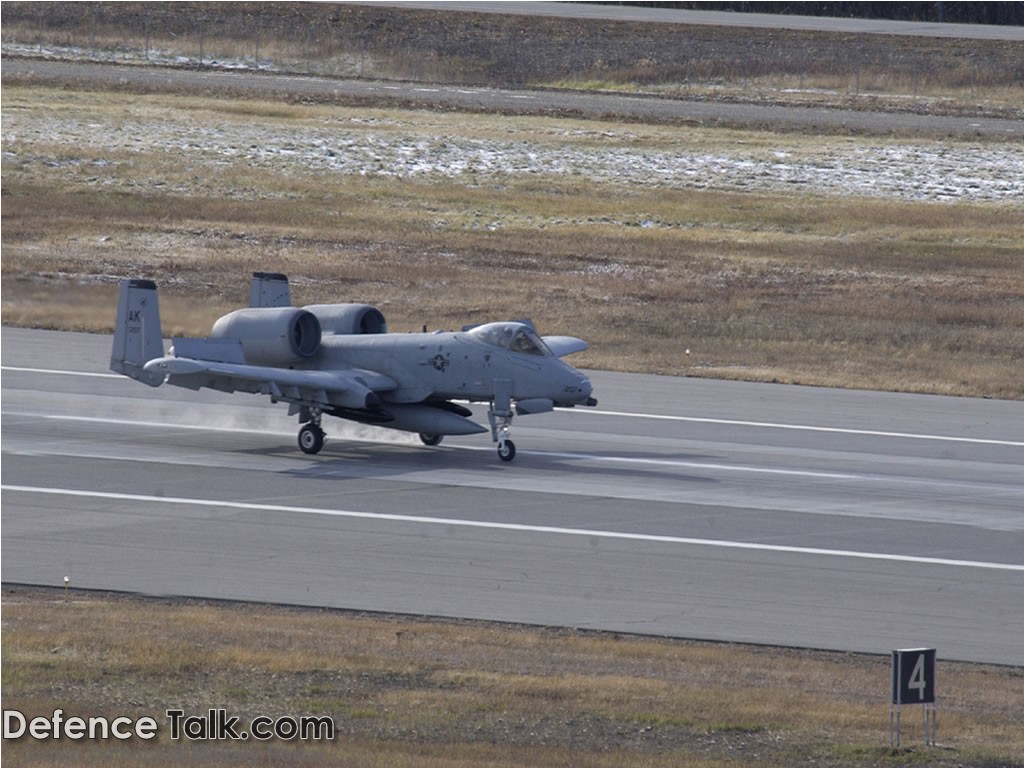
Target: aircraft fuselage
<point>451,365</point>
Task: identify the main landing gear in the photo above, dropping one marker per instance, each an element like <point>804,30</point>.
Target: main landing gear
<point>311,435</point>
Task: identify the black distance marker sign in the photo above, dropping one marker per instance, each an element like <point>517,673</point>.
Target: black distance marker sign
<point>913,676</point>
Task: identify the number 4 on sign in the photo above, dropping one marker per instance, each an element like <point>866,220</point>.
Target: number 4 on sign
<point>913,676</point>
<point>917,681</point>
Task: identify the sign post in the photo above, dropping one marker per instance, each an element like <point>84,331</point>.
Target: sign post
<point>913,682</point>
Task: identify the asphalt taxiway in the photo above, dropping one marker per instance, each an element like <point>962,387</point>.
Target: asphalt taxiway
<point>795,516</point>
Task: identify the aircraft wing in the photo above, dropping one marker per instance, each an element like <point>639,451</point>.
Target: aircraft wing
<point>355,388</point>
<point>564,345</point>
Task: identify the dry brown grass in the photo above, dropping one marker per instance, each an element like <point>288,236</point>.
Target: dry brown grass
<point>434,693</point>
<point>851,292</point>
<point>872,90</point>
<point>350,40</point>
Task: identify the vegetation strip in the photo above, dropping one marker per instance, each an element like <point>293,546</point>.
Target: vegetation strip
<point>407,692</point>
<point>790,286</point>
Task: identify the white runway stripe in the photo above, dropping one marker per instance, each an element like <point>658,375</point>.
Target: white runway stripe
<point>513,527</point>
<point>665,417</point>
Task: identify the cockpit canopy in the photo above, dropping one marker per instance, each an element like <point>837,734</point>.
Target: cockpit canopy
<point>515,337</point>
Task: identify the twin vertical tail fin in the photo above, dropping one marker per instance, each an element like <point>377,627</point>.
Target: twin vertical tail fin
<point>137,335</point>
<point>269,289</point>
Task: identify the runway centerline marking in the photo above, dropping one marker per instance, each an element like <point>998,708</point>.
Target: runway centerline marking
<point>801,427</point>
<point>512,527</point>
<point>697,465</point>
<point>666,417</point>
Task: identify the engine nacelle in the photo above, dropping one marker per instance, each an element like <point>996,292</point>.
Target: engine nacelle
<point>271,335</point>
<point>349,318</point>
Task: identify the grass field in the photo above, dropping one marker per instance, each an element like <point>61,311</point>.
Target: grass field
<point>891,72</point>
<point>757,273</point>
<point>418,693</point>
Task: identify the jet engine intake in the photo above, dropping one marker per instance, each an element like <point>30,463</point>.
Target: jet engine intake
<point>273,336</point>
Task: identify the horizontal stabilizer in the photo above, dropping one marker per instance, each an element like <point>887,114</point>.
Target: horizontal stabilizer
<point>214,350</point>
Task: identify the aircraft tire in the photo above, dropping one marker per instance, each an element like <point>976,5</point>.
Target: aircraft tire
<point>507,450</point>
<point>429,438</point>
<point>311,439</point>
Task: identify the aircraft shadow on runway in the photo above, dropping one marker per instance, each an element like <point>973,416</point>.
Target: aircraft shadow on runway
<point>341,459</point>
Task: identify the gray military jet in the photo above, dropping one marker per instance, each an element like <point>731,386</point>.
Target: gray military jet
<point>339,360</point>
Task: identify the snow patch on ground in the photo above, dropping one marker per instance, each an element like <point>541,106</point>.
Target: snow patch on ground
<point>130,55</point>
<point>924,171</point>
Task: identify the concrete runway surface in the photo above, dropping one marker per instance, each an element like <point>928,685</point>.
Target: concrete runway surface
<point>630,12</point>
<point>760,513</point>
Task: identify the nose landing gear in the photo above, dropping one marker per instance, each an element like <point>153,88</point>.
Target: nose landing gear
<point>500,417</point>
<point>506,450</point>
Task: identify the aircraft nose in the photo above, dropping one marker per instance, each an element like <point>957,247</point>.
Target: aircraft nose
<point>583,389</point>
<point>574,388</point>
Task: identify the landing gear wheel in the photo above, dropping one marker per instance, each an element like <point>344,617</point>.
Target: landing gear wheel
<point>428,438</point>
<point>506,450</point>
<point>311,438</point>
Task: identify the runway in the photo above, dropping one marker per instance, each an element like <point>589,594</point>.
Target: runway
<point>630,12</point>
<point>793,516</point>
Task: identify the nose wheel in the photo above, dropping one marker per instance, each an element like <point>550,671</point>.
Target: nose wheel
<point>506,450</point>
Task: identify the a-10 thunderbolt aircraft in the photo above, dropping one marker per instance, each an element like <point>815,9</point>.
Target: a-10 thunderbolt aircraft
<point>339,360</point>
